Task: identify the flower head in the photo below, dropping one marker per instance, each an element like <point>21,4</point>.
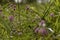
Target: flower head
<point>42,31</point>
<point>42,23</point>
<point>36,30</point>
<point>11,18</point>
<point>52,14</point>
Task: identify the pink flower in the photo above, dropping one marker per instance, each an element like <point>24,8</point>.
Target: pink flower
<point>11,18</point>
<point>42,23</point>
<point>42,31</point>
<point>52,14</point>
<point>36,30</point>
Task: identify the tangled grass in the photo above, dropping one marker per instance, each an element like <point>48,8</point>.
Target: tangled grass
<point>30,21</point>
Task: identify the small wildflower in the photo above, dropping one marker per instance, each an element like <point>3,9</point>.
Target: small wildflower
<point>42,31</point>
<point>52,14</point>
<point>42,23</point>
<point>11,18</point>
<point>36,30</point>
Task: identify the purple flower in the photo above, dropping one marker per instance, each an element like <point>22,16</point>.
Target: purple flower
<point>42,23</point>
<point>42,31</point>
<point>36,30</point>
<point>52,14</point>
<point>11,18</point>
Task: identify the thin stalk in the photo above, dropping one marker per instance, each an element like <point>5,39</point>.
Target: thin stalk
<point>19,14</point>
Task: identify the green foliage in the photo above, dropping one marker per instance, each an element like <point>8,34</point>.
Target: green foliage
<point>26,17</point>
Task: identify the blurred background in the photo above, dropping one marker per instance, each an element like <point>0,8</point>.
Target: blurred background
<point>24,1</point>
